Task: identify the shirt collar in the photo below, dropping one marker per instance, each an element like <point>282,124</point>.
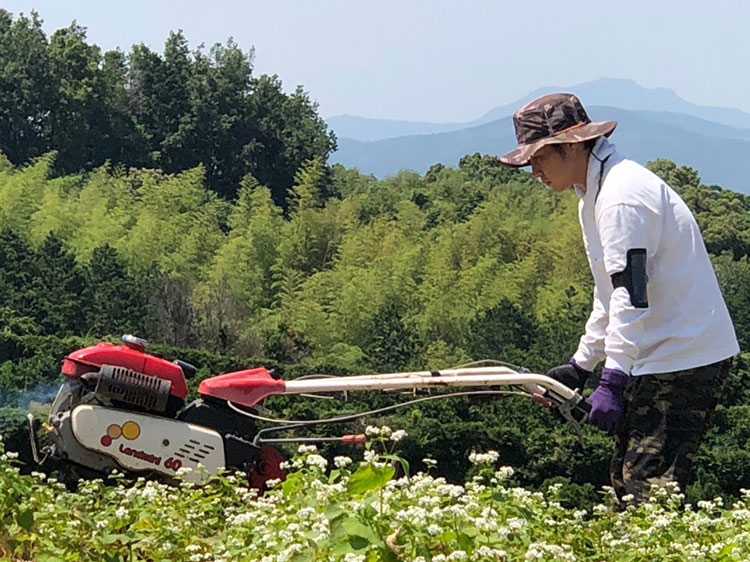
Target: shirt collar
<point>602,150</point>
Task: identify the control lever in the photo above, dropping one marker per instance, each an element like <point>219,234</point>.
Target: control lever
<point>575,410</point>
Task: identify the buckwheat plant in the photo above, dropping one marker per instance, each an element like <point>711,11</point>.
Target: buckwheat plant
<point>351,510</point>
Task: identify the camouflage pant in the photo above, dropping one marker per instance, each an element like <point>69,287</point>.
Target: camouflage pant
<point>665,418</point>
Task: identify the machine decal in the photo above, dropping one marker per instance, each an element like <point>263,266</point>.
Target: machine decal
<point>143,455</point>
<point>129,430</point>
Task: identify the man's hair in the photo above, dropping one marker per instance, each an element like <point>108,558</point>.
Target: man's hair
<point>588,145</point>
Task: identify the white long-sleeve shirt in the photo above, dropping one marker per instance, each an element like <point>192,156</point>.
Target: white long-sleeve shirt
<point>686,323</point>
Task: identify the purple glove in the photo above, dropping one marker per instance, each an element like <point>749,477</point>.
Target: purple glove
<point>607,401</point>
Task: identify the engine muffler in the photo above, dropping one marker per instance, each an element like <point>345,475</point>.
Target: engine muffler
<point>131,387</point>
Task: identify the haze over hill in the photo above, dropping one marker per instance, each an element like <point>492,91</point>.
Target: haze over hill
<point>613,92</point>
<point>653,123</point>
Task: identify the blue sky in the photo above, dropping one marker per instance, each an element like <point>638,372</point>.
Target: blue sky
<point>444,61</point>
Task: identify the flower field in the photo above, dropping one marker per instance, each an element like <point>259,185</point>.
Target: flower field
<point>353,511</point>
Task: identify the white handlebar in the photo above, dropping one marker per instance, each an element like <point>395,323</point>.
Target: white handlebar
<point>472,377</point>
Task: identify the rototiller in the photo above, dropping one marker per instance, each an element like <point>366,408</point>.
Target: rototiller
<point>122,408</point>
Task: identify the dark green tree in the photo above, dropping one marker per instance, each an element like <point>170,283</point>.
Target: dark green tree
<point>90,124</point>
<point>28,88</point>
<point>289,133</point>
<point>58,289</point>
<point>18,268</point>
<point>394,345</point>
<point>506,331</point>
<point>119,301</point>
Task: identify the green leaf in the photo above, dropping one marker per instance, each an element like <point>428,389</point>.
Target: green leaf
<point>292,484</point>
<point>357,534</point>
<point>25,519</point>
<point>404,462</point>
<point>113,538</point>
<point>368,477</point>
<point>332,512</point>
<point>726,552</point>
<point>358,543</point>
<point>353,526</point>
<point>49,558</point>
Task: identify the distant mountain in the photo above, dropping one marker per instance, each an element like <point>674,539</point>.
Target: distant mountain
<point>611,92</point>
<point>720,153</point>
<point>366,129</point>
<point>627,94</point>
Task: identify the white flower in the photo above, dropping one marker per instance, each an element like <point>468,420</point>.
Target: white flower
<point>458,555</point>
<point>304,449</point>
<point>149,493</point>
<point>540,550</point>
<point>504,473</point>
<point>241,519</point>
<point>451,490</point>
<point>492,553</point>
<point>306,513</point>
<point>341,462</point>
<point>398,435</point>
<point>351,557</point>
<point>316,460</point>
<point>121,513</point>
<point>184,471</point>
<point>372,431</point>
<point>429,463</point>
<point>490,457</point>
<point>434,529</point>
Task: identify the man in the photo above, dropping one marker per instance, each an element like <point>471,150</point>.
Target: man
<point>659,321</point>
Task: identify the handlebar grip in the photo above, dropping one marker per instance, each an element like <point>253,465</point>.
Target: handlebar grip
<point>582,410</point>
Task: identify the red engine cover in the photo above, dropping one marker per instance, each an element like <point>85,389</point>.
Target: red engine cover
<point>91,358</point>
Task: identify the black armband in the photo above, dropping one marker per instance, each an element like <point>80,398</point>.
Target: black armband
<point>634,278</point>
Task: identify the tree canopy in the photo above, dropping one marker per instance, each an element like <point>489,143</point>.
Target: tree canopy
<point>172,111</point>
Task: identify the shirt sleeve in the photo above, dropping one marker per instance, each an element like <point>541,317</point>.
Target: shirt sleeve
<point>591,346</point>
<point>624,227</point>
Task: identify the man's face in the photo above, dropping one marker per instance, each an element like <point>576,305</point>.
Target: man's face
<point>555,169</point>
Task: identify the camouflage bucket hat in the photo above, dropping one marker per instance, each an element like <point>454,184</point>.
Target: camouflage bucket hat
<point>552,119</point>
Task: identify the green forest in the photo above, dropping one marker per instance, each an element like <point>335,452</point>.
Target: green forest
<point>179,197</point>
